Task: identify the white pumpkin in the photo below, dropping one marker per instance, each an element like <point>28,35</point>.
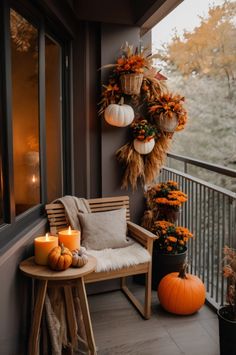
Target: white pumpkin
<point>144,147</point>
<point>119,115</point>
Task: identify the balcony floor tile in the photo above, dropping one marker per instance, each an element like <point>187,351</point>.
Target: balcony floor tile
<point>119,329</point>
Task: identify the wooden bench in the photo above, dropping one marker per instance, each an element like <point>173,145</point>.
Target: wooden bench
<point>58,221</point>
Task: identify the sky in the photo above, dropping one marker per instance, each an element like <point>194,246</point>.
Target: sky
<point>185,16</point>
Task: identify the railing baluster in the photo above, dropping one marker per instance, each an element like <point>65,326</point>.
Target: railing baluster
<point>204,234</point>
<point>208,241</point>
<point>195,228</point>
<point>219,247</point>
<point>212,245</point>
<point>191,225</point>
<point>210,214</point>
<point>200,230</point>
<point>223,243</point>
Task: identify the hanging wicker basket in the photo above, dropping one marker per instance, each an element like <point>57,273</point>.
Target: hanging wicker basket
<point>166,123</point>
<point>131,83</point>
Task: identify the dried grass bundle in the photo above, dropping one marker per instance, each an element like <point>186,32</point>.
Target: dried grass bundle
<point>134,165</point>
<point>148,220</point>
<point>156,159</point>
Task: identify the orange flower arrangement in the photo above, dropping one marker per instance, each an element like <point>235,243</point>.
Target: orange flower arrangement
<point>131,64</point>
<point>132,61</point>
<point>111,94</point>
<point>169,104</point>
<point>165,194</point>
<point>142,130</point>
<point>171,239</point>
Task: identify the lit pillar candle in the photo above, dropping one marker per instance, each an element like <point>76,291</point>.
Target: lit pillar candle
<point>42,247</point>
<point>70,238</point>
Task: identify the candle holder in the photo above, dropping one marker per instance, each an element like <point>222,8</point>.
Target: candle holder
<point>70,238</point>
<point>42,247</point>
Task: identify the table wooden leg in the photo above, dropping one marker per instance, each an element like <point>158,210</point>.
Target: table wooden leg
<point>38,309</point>
<point>86,316</point>
<point>71,317</point>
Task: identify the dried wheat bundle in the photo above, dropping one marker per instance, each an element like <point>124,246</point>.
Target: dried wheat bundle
<point>134,165</point>
<point>148,220</point>
<point>156,159</point>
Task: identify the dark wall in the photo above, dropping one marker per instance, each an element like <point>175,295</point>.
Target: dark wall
<point>87,125</point>
<point>97,172</point>
<point>15,300</point>
<point>112,138</point>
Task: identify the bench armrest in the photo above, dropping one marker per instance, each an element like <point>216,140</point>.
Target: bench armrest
<point>142,235</point>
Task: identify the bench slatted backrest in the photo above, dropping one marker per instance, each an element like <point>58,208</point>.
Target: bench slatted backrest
<point>109,204</point>
<point>58,220</point>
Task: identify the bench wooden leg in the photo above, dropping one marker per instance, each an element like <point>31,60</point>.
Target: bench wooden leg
<point>145,310</point>
<point>38,309</point>
<point>148,293</point>
<point>86,316</point>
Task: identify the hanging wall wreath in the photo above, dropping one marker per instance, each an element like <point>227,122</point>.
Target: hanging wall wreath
<point>152,112</point>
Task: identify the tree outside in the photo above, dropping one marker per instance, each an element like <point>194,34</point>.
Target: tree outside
<point>201,64</point>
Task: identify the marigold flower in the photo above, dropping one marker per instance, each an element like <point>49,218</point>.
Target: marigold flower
<point>172,239</point>
<point>227,271</point>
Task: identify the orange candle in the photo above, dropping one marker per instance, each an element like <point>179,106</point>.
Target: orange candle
<point>42,247</point>
<point>70,238</point>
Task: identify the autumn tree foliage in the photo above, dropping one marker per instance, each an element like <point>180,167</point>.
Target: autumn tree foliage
<point>210,49</point>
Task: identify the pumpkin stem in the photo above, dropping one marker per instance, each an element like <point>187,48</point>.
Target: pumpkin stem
<point>62,248</point>
<point>122,100</point>
<point>183,271</point>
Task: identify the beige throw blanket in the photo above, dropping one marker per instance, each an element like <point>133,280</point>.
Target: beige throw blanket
<point>55,304</point>
<point>73,205</point>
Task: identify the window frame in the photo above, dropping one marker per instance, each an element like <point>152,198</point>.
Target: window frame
<point>13,225</point>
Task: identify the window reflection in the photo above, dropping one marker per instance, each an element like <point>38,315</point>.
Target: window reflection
<point>24,53</point>
<point>53,119</point>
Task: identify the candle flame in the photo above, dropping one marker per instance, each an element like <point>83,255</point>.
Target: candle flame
<point>69,230</point>
<point>47,237</point>
<point>33,179</point>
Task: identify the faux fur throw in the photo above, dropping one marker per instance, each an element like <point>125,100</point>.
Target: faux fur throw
<point>73,205</point>
<point>113,259</point>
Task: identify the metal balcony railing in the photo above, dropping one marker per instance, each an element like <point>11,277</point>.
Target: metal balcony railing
<point>210,214</point>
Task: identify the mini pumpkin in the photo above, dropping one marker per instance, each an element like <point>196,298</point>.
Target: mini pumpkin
<point>60,258</point>
<point>79,258</point>
<point>181,293</point>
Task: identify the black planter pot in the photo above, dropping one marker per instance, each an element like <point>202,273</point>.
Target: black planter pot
<point>167,214</point>
<point>163,264</point>
<point>227,332</point>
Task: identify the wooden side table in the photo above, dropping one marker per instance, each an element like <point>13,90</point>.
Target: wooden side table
<point>66,279</point>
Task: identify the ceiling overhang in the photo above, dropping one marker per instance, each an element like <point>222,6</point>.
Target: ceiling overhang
<point>156,13</point>
<point>141,13</point>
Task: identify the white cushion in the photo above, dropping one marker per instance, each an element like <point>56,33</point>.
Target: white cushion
<point>115,259</point>
<point>102,230</point>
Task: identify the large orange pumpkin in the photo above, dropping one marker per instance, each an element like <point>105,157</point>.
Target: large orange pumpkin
<point>60,258</point>
<point>181,293</point>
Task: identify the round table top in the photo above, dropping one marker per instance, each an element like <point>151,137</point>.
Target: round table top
<point>30,268</point>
